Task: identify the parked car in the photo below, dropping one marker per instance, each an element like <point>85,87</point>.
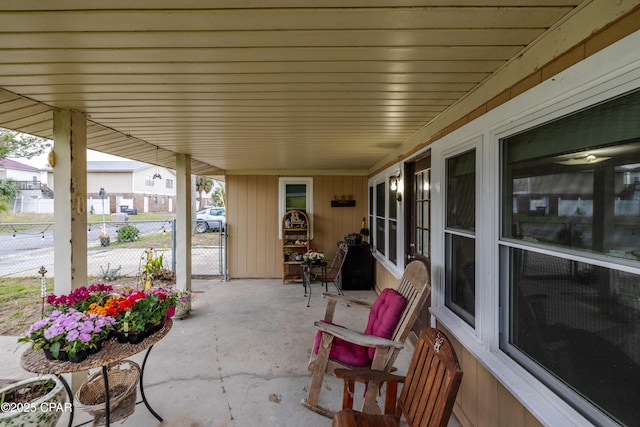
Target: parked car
<point>126,209</point>
<point>210,219</point>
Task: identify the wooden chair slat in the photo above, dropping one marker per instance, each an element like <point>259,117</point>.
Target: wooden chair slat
<point>429,390</point>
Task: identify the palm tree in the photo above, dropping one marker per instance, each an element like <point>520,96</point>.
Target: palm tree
<point>203,185</point>
<point>218,195</point>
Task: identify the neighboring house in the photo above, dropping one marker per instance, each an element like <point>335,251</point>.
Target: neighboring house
<point>16,171</point>
<point>35,196</point>
<point>128,185</point>
<point>131,185</point>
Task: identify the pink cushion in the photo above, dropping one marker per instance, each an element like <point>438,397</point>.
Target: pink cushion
<point>344,351</point>
<point>383,319</point>
<point>384,315</point>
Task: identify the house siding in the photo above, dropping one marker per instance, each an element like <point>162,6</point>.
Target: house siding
<point>253,221</point>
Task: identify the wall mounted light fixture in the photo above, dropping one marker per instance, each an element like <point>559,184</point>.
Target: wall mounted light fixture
<point>395,184</point>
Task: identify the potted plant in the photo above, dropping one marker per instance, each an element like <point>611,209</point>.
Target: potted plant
<point>312,256</point>
<point>67,335</point>
<point>154,271</point>
<point>183,305</point>
<point>80,298</point>
<point>353,238</point>
<point>287,253</point>
<point>37,401</point>
<point>104,237</point>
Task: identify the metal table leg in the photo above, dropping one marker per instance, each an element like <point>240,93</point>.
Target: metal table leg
<point>70,394</point>
<point>144,399</point>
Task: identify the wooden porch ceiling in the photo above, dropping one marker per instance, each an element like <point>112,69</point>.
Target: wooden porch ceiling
<point>245,86</point>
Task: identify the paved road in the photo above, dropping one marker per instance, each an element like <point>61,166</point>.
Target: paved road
<point>24,250</point>
<point>205,261</point>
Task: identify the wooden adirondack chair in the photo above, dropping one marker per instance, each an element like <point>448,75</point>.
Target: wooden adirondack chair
<point>415,288</point>
<point>428,393</point>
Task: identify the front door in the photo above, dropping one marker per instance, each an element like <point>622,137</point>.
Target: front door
<point>418,220</point>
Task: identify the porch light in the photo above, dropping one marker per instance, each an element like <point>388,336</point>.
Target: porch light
<point>396,185</point>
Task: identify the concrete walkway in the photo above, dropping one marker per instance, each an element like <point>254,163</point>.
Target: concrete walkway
<point>239,359</point>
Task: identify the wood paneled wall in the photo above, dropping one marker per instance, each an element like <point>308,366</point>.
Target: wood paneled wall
<point>252,220</point>
<point>482,400</point>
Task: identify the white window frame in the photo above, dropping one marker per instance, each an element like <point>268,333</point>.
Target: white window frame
<point>282,198</point>
<point>385,177</point>
<point>474,144</point>
<point>611,72</point>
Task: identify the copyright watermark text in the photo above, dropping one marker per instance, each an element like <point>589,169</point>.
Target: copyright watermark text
<point>30,407</point>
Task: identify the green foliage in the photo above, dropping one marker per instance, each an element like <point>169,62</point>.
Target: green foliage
<point>218,195</point>
<point>128,233</point>
<point>153,266</point>
<point>203,185</point>
<point>110,274</point>
<point>8,190</point>
<point>21,145</point>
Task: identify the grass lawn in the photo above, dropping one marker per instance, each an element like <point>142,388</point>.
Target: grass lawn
<point>20,303</point>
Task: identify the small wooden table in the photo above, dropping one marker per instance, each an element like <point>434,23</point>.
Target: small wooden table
<point>112,351</point>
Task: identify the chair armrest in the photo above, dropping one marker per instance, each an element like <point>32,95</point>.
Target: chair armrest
<point>332,300</point>
<point>369,376</point>
<point>365,375</point>
<point>356,337</point>
<point>346,300</point>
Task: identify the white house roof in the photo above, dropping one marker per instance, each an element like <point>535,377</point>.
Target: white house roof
<point>12,164</point>
<point>115,166</point>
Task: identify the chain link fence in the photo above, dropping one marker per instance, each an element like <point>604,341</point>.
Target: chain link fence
<point>26,247</point>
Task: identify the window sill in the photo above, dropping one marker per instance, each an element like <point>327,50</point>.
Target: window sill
<point>537,398</point>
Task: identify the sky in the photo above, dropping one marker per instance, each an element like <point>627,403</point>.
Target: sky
<point>41,161</point>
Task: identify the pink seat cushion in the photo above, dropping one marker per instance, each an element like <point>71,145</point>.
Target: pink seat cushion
<point>344,351</point>
<point>383,319</point>
<point>384,315</point>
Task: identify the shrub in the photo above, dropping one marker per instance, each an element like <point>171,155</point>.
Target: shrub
<point>128,233</point>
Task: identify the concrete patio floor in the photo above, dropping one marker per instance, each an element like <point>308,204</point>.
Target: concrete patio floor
<point>239,359</point>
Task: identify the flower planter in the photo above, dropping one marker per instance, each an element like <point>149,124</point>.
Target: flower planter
<point>63,356</point>
<point>136,337</point>
<point>353,240</point>
<point>122,337</point>
<point>35,416</point>
<point>97,348</point>
<point>80,356</point>
<point>183,307</point>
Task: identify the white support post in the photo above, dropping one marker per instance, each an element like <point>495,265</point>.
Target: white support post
<point>183,222</point>
<point>69,205</point>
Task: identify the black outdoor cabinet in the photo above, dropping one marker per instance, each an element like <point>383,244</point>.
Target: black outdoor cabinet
<point>357,270</point>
